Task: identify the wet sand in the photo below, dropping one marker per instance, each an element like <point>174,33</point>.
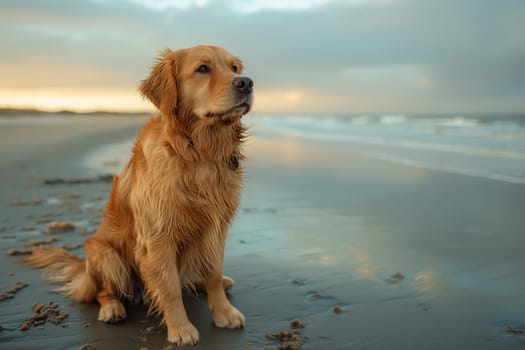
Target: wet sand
<point>413,258</point>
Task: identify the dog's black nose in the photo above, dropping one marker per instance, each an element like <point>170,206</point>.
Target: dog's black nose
<point>243,84</point>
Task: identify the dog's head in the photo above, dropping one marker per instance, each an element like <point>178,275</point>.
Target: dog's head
<point>205,81</point>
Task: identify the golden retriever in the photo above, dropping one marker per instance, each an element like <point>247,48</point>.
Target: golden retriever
<point>165,223</point>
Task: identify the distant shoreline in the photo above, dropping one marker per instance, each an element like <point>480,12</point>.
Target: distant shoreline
<point>15,112</point>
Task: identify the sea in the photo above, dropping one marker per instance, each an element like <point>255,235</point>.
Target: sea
<point>486,146</point>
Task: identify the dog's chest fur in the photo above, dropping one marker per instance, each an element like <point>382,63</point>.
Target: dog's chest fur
<point>184,202</point>
<point>187,196</point>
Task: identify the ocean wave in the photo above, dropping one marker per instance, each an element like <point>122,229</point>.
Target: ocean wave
<point>458,144</point>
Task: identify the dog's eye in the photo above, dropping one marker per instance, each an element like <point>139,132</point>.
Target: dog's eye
<point>203,69</point>
<point>234,69</point>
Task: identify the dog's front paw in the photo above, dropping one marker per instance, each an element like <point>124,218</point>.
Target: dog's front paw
<point>112,312</point>
<point>185,334</point>
<point>228,317</point>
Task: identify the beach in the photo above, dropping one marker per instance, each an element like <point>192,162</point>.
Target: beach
<point>372,245</point>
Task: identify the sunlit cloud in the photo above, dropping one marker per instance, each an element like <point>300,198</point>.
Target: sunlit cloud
<point>297,99</point>
<point>161,5</point>
<point>258,5</point>
<point>293,96</point>
<point>249,6</point>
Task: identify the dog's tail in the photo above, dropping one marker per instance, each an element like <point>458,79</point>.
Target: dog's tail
<point>61,266</point>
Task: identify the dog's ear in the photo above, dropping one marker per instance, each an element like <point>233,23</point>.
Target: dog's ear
<point>160,87</point>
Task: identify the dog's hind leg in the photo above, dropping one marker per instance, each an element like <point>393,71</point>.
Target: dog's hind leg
<point>111,309</point>
<point>113,279</point>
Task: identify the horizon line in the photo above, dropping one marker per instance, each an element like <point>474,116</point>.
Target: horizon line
<point>16,111</point>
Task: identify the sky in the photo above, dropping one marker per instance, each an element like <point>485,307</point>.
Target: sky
<point>305,56</point>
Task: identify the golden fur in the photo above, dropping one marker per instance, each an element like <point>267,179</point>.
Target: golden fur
<point>165,223</point>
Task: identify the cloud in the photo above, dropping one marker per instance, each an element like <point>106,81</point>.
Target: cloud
<point>245,6</point>
<point>350,56</point>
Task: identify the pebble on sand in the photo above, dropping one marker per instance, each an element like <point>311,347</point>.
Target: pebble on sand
<point>13,252</point>
<point>398,276</point>
<point>395,278</point>
<point>73,246</point>
<point>41,241</point>
<point>513,330</point>
<point>299,281</point>
<point>43,314</point>
<point>337,309</point>
<point>11,292</point>
<point>58,226</point>
<point>25,203</point>
<point>289,339</point>
<point>297,324</point>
